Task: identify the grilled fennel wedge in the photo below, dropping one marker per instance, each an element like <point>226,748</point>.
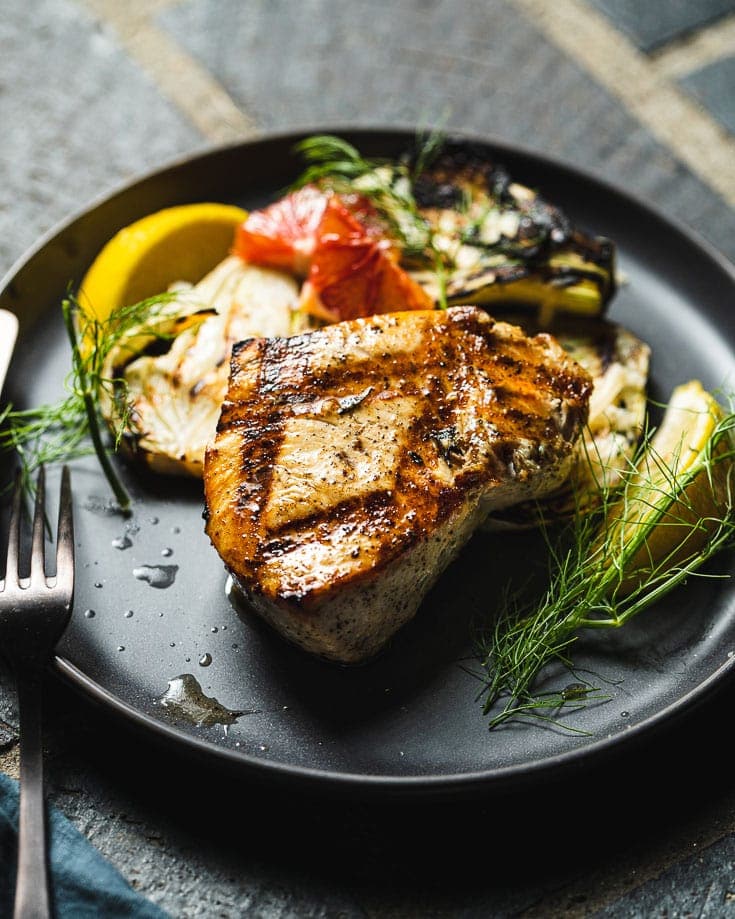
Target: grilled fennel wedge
<point>469,233</point>
<point>174,383</point>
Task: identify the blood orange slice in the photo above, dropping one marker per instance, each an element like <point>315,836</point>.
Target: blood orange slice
<point>353,273</point>
<point>283,235</point>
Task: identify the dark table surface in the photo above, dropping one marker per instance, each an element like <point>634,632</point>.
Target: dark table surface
<point>93,93</point>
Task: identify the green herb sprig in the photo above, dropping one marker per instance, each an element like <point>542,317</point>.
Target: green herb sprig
<point>601,575</point>
<point>62,431</point>
<point>388,184</point>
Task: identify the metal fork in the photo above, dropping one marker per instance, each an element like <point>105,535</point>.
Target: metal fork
<point>34,611</point>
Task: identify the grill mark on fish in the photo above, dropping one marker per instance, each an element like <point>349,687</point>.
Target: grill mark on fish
<point>356,510</point>
<point>257,450</point>
<point>505,368</point>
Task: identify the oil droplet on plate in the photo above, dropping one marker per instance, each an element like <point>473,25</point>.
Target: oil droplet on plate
<point>128,614</point>
<point>100,506</point>
<point>121,647</point>
<point>205,660</point>
<point>160,576</point>
<point>89,614</point>
<point>186,701</point>
<point>167,553</point>
<point>122,542</point>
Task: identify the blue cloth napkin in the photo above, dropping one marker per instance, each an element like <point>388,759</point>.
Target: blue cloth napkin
<point>84,885</point>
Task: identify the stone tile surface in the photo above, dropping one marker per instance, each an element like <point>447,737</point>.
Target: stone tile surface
<point>702,886</point>
<point>487,71</point>
<point>653,23</point>
<point>714,86</point>
<point>78,119</point>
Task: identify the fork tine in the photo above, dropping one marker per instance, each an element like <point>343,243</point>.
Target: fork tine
<point>11,564</point>
<point>38,549</point>
<point>65,537</point>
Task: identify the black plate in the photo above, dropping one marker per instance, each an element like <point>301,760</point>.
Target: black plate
<point>409,721</point>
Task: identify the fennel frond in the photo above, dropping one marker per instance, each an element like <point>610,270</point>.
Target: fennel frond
<point>62,431</point>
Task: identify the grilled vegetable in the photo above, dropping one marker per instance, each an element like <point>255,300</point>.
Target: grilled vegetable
<point>174,384</point>
<point>469,233</point>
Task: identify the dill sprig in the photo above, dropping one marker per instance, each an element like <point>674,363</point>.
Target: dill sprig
<point>71,427</point>
<point>608,566</point>
<point>331,157</point>
<point>387,184</point>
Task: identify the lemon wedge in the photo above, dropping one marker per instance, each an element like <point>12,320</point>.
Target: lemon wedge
<point>680,487</point>
<point>181,243</point>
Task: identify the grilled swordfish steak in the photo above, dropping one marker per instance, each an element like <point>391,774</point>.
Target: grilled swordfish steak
<point>352,463</point>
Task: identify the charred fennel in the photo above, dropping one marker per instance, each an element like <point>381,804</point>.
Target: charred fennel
<point>63,430</point>
<point>674,511</point>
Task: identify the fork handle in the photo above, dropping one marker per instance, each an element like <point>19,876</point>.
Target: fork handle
<point>32,889</point>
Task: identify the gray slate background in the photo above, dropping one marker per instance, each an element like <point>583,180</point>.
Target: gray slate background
<point>92,95</point>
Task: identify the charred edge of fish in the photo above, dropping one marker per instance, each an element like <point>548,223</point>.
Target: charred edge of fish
<point>564,383</point>
<point>241,346</point>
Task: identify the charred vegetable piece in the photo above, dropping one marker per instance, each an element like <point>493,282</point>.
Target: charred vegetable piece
<point>174,384</point>
<point>504,244</point>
